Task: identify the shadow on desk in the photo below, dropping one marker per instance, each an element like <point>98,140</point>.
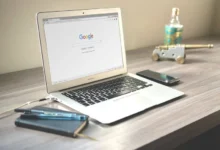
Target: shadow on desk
<point>192,61</point>
<point>210,140</point>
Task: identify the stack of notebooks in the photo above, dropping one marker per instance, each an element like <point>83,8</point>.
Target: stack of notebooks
<point>37,119</point>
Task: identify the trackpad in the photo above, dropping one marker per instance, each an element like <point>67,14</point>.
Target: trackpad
<point>130,102</point>
<point>121,107</point>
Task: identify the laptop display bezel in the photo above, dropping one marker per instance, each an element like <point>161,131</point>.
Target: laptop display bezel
<point>73,83</point>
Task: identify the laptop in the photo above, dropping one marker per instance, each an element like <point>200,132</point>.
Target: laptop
<point>84,63</point>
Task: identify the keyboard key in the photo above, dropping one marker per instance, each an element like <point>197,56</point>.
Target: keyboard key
<point>90,102</point>
<point>85,104</point>
<point>101,98</point>
<point>97,101</point>
<point>148,85</point>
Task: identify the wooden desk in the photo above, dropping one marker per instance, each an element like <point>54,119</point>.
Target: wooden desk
<point>163,127</point>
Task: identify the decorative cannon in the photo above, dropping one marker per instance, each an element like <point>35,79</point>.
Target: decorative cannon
<point>176,52</point>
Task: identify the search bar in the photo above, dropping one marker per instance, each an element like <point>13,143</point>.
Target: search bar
<point>87,43</point>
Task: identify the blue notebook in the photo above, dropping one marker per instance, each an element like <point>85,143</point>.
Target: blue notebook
<point>62,127</point>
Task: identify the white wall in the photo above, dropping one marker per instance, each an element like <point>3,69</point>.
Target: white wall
<point>216,19</point>
<point>143,24</point>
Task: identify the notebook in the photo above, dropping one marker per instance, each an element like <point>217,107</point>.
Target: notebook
<point>69,128</point>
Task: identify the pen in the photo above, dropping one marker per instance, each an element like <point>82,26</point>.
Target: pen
<point>54,117</point>
<point>29,110</point>
<point>51,115</point>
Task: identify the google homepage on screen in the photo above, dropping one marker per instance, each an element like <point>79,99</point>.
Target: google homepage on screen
<point>82,46</point>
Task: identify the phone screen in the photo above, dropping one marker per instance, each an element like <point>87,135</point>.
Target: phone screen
<point>157,76</point>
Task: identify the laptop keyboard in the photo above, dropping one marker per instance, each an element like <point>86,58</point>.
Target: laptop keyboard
<point>107,90</point>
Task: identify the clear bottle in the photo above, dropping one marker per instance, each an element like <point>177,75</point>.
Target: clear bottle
<point>173,31</point>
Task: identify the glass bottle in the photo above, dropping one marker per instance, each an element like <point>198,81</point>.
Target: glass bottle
<point>173,30</point>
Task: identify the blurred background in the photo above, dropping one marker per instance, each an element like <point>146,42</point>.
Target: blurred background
<point>143,22</point>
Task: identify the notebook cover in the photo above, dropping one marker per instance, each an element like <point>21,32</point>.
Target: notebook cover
<point>62,127</point>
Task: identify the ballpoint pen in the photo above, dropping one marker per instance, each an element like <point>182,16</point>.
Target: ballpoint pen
<point>54,117</point>
<point>29,110</point>
<point>32,113</point>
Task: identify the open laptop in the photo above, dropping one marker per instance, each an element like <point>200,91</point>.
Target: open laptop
<point>84,64</point>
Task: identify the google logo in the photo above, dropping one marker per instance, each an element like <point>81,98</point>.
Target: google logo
<point>83,37</point>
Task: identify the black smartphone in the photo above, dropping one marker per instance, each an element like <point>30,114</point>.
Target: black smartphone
<point>158,77</point>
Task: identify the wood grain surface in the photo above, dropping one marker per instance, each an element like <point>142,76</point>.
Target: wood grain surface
<point>162,127</point>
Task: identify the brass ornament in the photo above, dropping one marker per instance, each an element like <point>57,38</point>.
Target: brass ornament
<point>180,60</point>
<point>155,57</point>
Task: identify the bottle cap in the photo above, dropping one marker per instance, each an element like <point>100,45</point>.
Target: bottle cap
<point>175,11</point>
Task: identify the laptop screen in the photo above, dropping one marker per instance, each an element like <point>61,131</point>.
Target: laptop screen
<point>82,46</point>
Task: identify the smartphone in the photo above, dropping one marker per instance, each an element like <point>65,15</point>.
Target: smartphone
<point>158,77</point>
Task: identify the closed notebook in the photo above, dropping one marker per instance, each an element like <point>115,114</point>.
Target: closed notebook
<point>63,127</point>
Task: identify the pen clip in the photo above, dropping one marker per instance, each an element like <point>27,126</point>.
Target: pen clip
<point>22,110</point>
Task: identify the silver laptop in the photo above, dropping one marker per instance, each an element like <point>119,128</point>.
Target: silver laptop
<point>85,65</point>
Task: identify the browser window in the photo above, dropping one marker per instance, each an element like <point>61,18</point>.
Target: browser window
<point>82,46</point>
